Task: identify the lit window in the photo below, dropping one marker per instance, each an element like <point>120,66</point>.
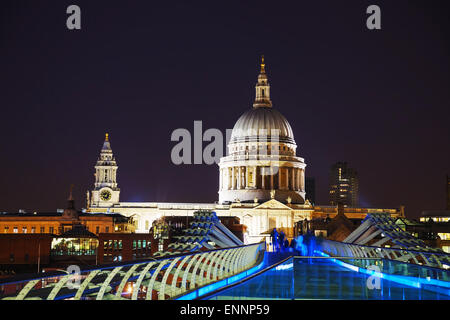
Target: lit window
<point>444,236</point>
<point>24,229</point>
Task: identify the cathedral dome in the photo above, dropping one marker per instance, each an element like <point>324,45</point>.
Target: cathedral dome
<point>250,125</point>
<point>261,163</point>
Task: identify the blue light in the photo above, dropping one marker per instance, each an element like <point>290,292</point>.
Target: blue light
<point>222,283</point>
<point>409,281</point>
<point>189,296</point>
<point>285,267</point>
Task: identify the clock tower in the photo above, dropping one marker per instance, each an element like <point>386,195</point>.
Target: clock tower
<point>105,193</point>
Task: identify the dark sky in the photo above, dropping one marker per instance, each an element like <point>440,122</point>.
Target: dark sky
<point>140,69</point>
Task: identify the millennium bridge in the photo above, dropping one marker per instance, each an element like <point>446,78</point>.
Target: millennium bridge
<point>209,259</point>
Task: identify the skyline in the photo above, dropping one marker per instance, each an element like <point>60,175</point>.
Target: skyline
<point>379,101</point>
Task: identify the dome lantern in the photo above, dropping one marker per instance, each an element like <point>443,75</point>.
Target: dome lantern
<point>261,162</point>
<point>262,99</point>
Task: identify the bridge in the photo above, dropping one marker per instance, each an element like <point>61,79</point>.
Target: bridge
<point>209,257</point>
<point>406,247</point>
<point>208,253</point>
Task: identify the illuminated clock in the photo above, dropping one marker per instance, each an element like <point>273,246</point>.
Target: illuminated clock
<point>105,195</point>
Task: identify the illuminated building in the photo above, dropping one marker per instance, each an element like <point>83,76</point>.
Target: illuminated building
<point>105,187</point>
<point>262,162</point>
<point>344,184</point>
<point>438,224</point>
<point>261,181</point>
<point>57,223</point>
<point>55,239</point>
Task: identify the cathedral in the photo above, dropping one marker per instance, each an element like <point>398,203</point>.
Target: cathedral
<point>261,180</point>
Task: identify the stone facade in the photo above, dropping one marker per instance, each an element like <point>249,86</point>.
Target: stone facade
<point>261,181</point>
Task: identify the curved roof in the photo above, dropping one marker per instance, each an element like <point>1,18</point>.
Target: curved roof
<point>249,125</point>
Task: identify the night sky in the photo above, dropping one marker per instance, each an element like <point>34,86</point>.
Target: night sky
<point>140,69</point>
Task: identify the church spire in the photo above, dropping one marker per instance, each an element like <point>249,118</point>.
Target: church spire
<point>106,144</point>
<point>106,192</point>
<point>262,98</point>
<point>263,65</point>
<point>70,212</point>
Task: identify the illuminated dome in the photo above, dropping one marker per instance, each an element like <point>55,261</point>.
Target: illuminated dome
<point>262,163</point>
<point>259,121</point>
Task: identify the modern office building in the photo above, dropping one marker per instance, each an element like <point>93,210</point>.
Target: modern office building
<point>344,185</point>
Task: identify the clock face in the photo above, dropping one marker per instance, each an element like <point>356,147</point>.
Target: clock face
<point>105,195</point>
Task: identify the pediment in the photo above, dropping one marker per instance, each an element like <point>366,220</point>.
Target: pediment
<point>273,204</point>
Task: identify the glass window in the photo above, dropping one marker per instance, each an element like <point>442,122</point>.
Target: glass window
<point>33,229</point>
<point>97,229</point>
<point>107,229</point>
<point>42,229</point>
<point>24,229</point>
<point>51,229</point>
<point>444,236</point>
<point>6,229</point>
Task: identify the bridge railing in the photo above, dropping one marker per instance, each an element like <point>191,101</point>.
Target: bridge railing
<point>156,279</point>
<point>426,258</point>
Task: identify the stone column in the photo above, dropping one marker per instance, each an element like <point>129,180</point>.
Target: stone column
<point>239,184</point>
<point>255,176</point>
<point>302,180</point>
<point>293,179</point>
<point>226,177</point>
<point>233,179</point>
<point>247,176</point>
<point>297,181</point>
